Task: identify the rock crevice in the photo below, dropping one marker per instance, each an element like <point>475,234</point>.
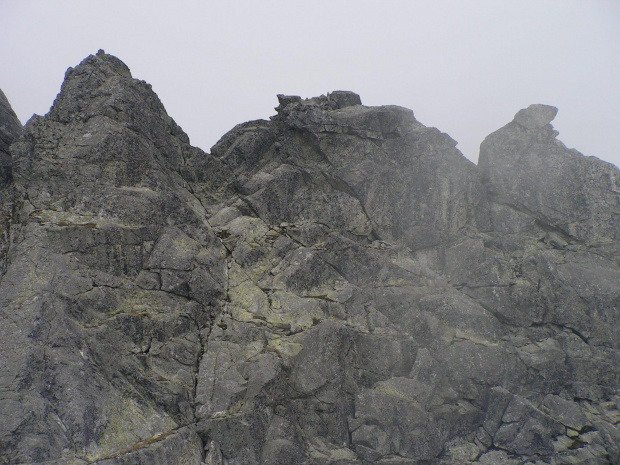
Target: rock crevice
<point>337,285</point>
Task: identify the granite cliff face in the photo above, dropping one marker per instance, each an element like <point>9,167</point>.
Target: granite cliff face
<point>337,285</point>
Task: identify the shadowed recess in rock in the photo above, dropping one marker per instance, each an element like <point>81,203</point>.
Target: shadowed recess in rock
<point>337,285</point>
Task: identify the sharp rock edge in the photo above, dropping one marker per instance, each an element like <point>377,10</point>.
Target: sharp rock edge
<point>337,285</point>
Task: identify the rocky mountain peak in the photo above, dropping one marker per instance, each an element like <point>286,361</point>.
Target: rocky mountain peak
<point>101,65</point>
<point>535,116</point>
<point>337,285</point>
<point>342,112</point>
<point>525,166</point>
<point>10,130</point>
<point>332,101</point>
<point>82,86</point>
<point>10,127</point>
<point>102,86</point>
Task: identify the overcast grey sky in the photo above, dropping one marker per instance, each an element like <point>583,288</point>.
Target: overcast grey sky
<point>465,67</point>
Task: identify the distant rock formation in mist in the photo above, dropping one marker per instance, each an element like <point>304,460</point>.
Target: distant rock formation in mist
<point>337,285</point>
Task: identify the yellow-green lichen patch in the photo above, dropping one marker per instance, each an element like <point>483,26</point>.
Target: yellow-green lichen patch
<point>146,303</point>
<point>282,310</point>
<point>285,346</point>
<point>129,423</point>
<point>249,229</point>
<point>298,313</point>
<point>247,302</point>
<point>400,388</point>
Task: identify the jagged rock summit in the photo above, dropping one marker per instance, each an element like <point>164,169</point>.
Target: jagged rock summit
<point>10,130</point>
<point>536,116</point>
<point>337,285</point>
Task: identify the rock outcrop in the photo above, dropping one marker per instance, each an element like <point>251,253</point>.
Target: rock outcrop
<point>335,285</point>
<point>526,167</point>
<point>10,130</point>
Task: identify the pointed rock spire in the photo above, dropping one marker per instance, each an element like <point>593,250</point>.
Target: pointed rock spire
<point>10,130</point>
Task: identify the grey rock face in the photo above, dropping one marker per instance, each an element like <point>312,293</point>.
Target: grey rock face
<point>527,168</point>
<point>113,273</point>
<point>535,116</point>
<point>10,130</point>
<point>337,285</point>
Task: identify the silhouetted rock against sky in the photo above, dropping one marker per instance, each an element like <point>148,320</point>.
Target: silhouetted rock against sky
<point>335,285</point>
<point>10,130</point>
<point>527,167</point>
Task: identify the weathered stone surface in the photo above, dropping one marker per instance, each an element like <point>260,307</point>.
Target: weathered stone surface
<point>529,170</point>
<point>337,285</point>
<point>94,363</point>
<point>10,130</point>
<point>535,116</point>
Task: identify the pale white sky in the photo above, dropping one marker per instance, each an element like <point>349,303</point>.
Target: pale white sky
<point>465,67</point>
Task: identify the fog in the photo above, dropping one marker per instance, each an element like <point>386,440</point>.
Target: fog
<point>463,67</point>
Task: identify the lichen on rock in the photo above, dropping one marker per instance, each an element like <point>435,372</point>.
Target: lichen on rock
<point>335,285</point>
